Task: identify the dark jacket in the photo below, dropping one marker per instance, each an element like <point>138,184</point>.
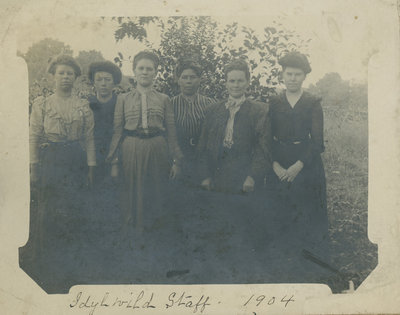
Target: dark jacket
<point>250,152</point>
<point>103,130</point>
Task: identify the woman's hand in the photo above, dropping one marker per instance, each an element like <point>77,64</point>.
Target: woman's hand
<point>294,170</point>
<point>279,171</point>
<point>206,184</point>
<point>248,185</point>
<point>175,171</point>
<point>90,177</point>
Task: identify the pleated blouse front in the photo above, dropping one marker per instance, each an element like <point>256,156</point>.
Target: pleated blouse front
<point>160,116</point>
<point>48,123</point>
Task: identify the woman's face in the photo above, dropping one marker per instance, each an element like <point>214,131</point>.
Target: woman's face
<point>103,83</point>
<point>189,82</point>
<point>64,77</point>
<point>236,83</point>
<point>145,72</point>
<point>293,78</point>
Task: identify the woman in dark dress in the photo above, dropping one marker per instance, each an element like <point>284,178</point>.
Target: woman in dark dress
<point>297,182</point>
<point>104,76</point>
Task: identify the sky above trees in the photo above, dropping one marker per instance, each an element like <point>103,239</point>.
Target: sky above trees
<point>330,48</point>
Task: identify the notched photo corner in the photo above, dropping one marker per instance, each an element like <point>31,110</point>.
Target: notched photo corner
<point>223,151</point>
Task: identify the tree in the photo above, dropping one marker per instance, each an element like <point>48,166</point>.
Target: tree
<point>38,56</point>
<point>213,45</point>
<point>333,89</point>
<point>85,58</point>
<point>340,98</point>
<point>37,59</point>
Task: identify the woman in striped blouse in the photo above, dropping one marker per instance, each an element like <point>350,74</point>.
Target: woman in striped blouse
<point>190,108</point>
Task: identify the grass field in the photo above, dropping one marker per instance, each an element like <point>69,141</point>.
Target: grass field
<point>346,166</point>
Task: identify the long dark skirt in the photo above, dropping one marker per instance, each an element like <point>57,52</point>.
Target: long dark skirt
<point>105,213</point>
<point>299,209</point>
<point>61,206</point>
<point>145,169</point>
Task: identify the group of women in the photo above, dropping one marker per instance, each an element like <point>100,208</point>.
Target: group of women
<point>129,148</point>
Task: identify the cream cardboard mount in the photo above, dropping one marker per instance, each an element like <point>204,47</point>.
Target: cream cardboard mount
<point>378,293</point>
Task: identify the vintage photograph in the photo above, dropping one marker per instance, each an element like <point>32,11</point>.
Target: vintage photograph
<point>197,150</point>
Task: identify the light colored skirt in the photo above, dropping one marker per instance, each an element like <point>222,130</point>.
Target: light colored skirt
<point>145,167</point>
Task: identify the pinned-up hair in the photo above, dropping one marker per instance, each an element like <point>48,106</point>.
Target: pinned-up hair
<point>105,66</point>
<point>295,60</point>
<point>185,64</point>
<point>240,65</point>
<point>146,54</point>
<point>65,60</point>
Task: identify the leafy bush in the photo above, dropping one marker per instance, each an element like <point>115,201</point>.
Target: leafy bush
<point>213,46</point>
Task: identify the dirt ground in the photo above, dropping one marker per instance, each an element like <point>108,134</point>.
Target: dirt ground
<point>195,241</point>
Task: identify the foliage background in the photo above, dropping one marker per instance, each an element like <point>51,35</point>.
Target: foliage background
<point>213,45</point>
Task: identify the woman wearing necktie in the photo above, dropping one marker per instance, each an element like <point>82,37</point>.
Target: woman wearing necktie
<point>233,159</point>
<point>234,143</point>
<point>144,132</point>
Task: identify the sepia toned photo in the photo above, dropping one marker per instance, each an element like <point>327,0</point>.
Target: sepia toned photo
<point>204,155</point>
<point>196,162</point>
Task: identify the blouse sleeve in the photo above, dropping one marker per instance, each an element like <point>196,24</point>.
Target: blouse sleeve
<point>316,145</point>
<point>89,136</point>
<point>169,118</point>
<point>36,129</point>
<point>210,104</point>
<point>274,100</point>
<point>201,149</point>
<point>118,128</point>
<point>261,162</point>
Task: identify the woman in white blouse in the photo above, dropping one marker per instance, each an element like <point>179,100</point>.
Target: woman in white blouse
<point>62,157</point>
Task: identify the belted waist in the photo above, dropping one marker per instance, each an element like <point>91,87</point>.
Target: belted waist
<point>143,133</point>
<point>189,142</point>
<point>288,142</point>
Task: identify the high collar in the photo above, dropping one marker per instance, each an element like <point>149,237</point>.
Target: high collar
<point>234,102</point>
<point>96,104</point>
<point>144,91</point>
<point>188,100</point>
